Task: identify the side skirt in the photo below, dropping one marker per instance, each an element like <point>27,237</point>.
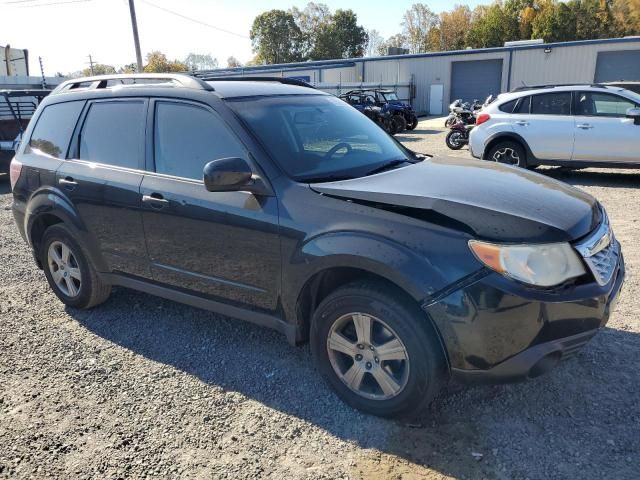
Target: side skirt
<point>258,318</point>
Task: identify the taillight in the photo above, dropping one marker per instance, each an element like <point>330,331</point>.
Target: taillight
<point>483,117</point>
<point>14,172</point>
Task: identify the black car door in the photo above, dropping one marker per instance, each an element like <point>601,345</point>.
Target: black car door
<point>219,244</point>
<point>102,178</point>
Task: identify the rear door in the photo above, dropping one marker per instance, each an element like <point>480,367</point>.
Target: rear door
<point>102,178</point>
<point>224,245</point>
<point>544,120</point>
<point>602,131</point>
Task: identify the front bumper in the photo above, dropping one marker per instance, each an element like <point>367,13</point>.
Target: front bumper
<point>498,331</point>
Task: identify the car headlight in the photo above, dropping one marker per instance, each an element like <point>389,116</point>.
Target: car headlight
<point>543,265</point>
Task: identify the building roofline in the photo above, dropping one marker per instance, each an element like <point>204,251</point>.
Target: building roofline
<point>349,62</point>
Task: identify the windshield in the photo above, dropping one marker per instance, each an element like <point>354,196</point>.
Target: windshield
<point>631,95</point>
<point>390,96</point>
<point>319,138</point>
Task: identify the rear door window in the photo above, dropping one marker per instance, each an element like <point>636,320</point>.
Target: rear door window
<point>551,104</point>
<point>187,137</point>
<point>113,133</point>
<point>53,131</point>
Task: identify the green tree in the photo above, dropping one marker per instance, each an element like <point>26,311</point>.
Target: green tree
<point>342,37</point>
<point>489,27</point>
<point>157,62</point>
<point>417,22</point>
<point>276,38</point>
<point>130,68</point>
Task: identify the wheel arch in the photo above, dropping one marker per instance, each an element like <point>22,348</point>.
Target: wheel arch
<point>49,207</point>
<point>511,137</point>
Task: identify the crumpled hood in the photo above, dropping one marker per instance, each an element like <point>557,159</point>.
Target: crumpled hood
<point>489,200</point>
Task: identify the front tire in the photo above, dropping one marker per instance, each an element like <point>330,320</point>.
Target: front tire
<point>68,270</point>
<point>508,152</point>
<point>377,350</point>
<point>412,122</point>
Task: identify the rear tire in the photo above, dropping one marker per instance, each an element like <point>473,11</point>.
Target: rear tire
<point>68,270</point>
<point>400,122</point>
<point>454,141</point>
<point>351,360</point>
<point>508,152</point>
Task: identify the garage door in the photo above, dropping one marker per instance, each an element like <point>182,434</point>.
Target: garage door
<point>475,79</point>
<point>620,65</point>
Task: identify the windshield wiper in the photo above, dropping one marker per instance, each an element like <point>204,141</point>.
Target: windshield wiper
<point>326,178</point>
<point>387,166</point>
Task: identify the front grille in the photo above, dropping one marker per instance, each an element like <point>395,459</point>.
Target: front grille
<point>601,252</point>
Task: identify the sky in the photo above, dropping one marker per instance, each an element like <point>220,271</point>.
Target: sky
<point>65,32</point>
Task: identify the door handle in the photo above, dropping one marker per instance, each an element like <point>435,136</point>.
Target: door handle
<point>522,123</point>
<point>68,182</point>
<point>155,200</point>
<point>584,126</point>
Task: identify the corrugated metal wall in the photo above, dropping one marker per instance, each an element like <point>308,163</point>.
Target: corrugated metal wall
<point>560,65</point>
<point>426,71</point>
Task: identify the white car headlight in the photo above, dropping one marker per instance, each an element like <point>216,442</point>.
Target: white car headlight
<point>543,265</point>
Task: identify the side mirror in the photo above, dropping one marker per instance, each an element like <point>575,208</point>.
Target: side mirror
<point>227,175</point>
<point>635,114</point>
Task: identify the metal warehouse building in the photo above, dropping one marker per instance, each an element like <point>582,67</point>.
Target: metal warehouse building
<point>430,81</point>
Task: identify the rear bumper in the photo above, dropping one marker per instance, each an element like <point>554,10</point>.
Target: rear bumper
<point>497,331</point>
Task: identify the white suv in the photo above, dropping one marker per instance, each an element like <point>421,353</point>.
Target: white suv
<point>573,126</point>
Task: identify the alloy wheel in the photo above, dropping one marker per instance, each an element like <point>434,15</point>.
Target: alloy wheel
<point>368,356</point>
<point>64,268</point>
<point>507,155</point>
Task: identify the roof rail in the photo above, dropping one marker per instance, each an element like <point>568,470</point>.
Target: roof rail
<point>284,80</point>
<point>102,81</point>
<point>537,87</point>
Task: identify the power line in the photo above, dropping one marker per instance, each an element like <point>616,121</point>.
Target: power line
<point>46,4</point>
<point>194,20</point>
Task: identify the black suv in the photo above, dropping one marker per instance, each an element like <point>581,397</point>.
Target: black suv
<point>282,205</point>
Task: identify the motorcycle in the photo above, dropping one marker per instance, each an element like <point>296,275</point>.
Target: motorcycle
<point>458,137</point>
<point>460,111</point>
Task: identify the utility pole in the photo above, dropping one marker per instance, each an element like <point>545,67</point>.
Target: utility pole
<point>91,64</point>
<point>44,80</point>
<point>136,39</point>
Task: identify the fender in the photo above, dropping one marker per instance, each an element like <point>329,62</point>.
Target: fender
<point>52,201</point>
<point>377,255</point>
<point>531,158</point>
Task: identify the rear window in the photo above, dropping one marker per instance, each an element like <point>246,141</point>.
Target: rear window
<point>53,131</point>
<point>551,104</point>
<point>113,133</point>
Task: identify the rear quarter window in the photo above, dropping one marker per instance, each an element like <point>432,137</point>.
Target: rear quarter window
<point>508,106</point>
<point>52,133</point>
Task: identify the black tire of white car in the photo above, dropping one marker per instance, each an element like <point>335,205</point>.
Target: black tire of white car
<point>508,152</point>
<point>426,365</point>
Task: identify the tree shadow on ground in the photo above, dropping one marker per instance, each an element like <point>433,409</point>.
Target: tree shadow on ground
<point>554,426</point>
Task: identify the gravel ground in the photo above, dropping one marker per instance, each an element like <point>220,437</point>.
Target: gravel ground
<point>142,387</point>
